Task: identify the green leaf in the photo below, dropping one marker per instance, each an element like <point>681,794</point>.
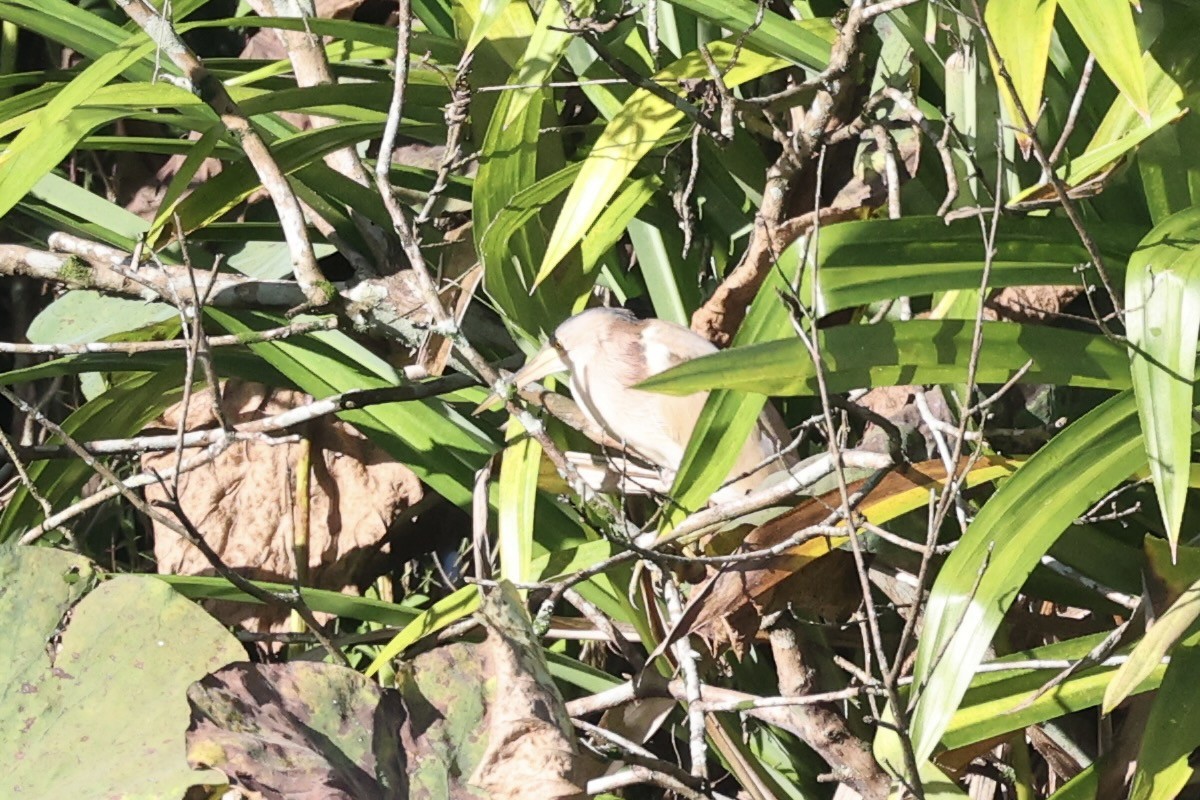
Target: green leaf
<point>640,127</point>
<point>59,126</point>
<point>659,258</point>
<point>521,146</point>
<point>489,12</point>
<point>998,702</point>
<point>124,226</point>
<point>59,20</point>
<point>1169,628</point>
<point>1082,787</point>
<point>439,444</point>
<point>899,353</point>
<point>466,600</point>
<point>85,316</point>
<point>1021,31</point>
<point>230,361</point>
<point>209,587</point>
<point>1172,729</point>
<point>122,411</point>
<point>1162,298</point>
<point>102,713</point>
<point>199,151</point>
<point>1123,128</point>
<point>517,493</point>
<point>1000,548</point>
<point>616,218</point>
<point>1107,28</point>
<point>1170,168</point>
<point>728,417</point>
<point>805,42</point>
<point>238,181</point>
<point>872,260</point>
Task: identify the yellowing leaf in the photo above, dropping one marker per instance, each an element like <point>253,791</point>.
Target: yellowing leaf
<point>1108,31</point>
<point>639,127</point>
<point>1021,31</point>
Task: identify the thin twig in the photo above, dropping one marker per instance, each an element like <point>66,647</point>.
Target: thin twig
<point>182,526</point>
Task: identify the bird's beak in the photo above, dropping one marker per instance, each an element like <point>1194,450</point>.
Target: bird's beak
<point>547,362</point>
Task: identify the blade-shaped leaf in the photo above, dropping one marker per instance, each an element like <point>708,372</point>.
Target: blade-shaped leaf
<point>897,353</point>
<point>1169,628</point>
<point>1108,31</point>
<point>1172,729</point>
<point>517,493</point>
<point>466,600</point>
<point>521,146</point>
<point>640,126</point>
<point>865,262</point>
<point>728,417</point>
<point>489,12</point>
<point>997,702</point>
<point>1021,30</point>
<point>59,126</point>
<point>121,411</point>
<point>806,42</point>
<point>1003,544</point>
<point>1162,296</point>
<point>441,446</point>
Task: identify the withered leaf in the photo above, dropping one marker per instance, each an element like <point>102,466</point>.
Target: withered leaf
<point>305,731</point>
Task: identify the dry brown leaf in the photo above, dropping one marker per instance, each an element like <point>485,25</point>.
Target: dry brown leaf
<point>729,606</point>
<point>245,506</point>
<point>1030,303</point>
<point>531,752</point>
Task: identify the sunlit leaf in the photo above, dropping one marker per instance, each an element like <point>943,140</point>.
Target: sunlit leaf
<point>879,259</point>
<point>729,417</point>
<point>1003,544</point>
<point>1021,30</point>
<point>640,126</point>
<point>1108,31</point>
<point>465,601</point>
<point>1162,296</point>
<point>899,353</point>
<point>1171,625</point>
<point>517,491</point>
<point>1172,729</point>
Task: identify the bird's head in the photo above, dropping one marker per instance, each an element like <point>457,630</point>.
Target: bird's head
<point>575,335</point>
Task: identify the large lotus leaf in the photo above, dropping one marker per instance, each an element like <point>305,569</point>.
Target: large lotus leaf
<point>93,682</point>
<point>485,720</point>
<point>445,695</point>
<point>303,730</point>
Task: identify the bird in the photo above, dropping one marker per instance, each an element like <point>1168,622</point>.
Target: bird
<point>606,352</point>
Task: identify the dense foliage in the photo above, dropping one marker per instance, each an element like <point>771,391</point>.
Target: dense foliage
<point>954,241</point>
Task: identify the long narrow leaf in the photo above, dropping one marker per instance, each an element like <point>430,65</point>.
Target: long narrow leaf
<point>1003,544</point>
<point>1162,295</point>
<point>1108,31</point>
<point>865,262</point>
<point>640,126</point>
<point>898,353</point>
<point>729,417</point>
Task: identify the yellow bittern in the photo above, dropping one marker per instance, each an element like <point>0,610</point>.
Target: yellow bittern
<point>608,351</point>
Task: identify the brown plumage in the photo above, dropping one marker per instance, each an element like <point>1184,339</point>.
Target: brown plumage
<point>608,351</point>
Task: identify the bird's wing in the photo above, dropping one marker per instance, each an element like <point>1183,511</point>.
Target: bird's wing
<point>667,345</point>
